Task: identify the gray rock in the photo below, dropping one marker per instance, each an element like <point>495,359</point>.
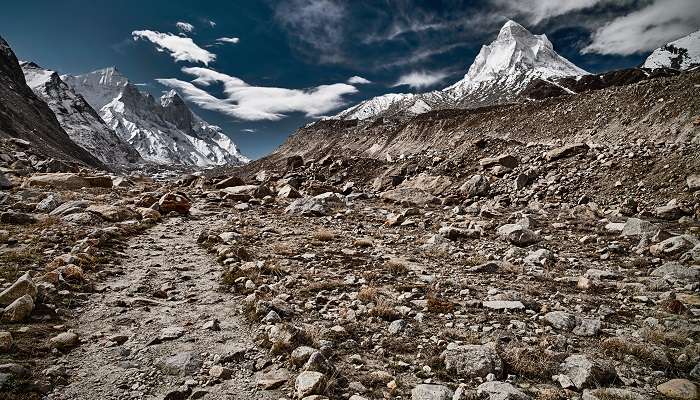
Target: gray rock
<point>503,305</point>
<point>307,206</point>
<point>613,393</point>
<point>397,326</point>
<point>518,235</point>
<point>22,286</point>
<point>289,192</point>
<point>309,383</point>
<point>566,151</point>
<point>636,228</point>
<point>496,390</point>
<point>561,320</point>
<point>538,257</point>
<point>5,183</point>
<point>587,327</point>
<point>673,246</point>
<point>409,196</point>
<point>19,310</point>
<point>581,371</point>
<point>671,211</point>
<point>185,363</point>
<point>677,271</point>
<point>301,354</point>
<point>48,204</point>
<point>477,185</point>
<point>505,160</point>
<point>64,340</point>
<point>472,361</point>
<point>5,341</point>
<point>693,182</point>
<point>431,392</point>
<point>16,218</point>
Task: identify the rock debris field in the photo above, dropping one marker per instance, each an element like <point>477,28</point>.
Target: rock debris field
<point>524,272</point>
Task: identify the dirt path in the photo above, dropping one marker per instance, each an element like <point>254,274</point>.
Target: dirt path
<point>158,306</point>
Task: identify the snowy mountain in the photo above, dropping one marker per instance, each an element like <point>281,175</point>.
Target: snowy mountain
<point>80,121</point>
<point>23,115</point>
<point>499,73</point>
<point>680,54</point>
<point>163,131</point>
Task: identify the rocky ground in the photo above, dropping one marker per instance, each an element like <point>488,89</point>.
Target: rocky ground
<point>514,272</point>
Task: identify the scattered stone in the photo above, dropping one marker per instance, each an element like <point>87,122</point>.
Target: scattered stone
<point>566,151</point>
<point>496,390</point>
<point>681,389</point>
<point>5,341</point>
<point>19,310</point>
<point>309,383</point>
<point>184,363</point>
<point>65,340</point>
<point>477,185</point>
<point>561,320</point>
<point>431,392</point>
<point>518,235</point>
<point>22,286</point>
<point>308,207</point>
<point>580,371</point>
<point>472,361</point>
<point>503,305</point>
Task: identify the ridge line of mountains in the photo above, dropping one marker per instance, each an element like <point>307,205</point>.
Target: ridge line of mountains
<point>102,120</point>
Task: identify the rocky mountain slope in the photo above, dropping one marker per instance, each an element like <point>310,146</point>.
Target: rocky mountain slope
<point>25,116</point>
<point>663,109</point>
<point>680,54</point>
<point>79,119</point>
<point>500,72</point>
<point>163,131</point>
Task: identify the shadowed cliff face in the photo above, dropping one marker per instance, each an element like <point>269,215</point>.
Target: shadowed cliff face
<point>25,116</point>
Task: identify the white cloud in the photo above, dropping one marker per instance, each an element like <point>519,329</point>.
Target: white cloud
<point>421,79</point>
<point>358,80</point>
<point>211,23</point>
<point>232,40</point>
<point>184,27</point>
<point>254,103</point>
<point>646,29</point>
<point>249,130</point>
<point>536,11</point>
<point>180,48</point>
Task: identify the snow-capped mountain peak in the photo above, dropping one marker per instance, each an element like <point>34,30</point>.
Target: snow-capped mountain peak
<point>510,62</point>
<point>80,121</point>
<point>500,72</point>
<point>164,130</point>
<point>680,54</point>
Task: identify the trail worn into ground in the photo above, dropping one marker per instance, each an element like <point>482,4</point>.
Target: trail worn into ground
<point>153,325</point>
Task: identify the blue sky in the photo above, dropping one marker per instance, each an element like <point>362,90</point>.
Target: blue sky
<point>291,60</point>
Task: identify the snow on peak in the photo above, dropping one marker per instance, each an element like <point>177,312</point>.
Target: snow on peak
<point>500,72</point>
<point>164,131</point>
<point>514,59</point>
<point>680,54</point>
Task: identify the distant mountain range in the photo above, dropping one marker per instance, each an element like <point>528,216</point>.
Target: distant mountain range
<point>518,60</point>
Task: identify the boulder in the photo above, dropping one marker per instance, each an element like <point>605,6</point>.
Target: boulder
<point>229,182</point>
<point>289,192</point>
<point>307,206</point>
<point>674,246</point>
<point>681,389</point>
<point>48,204</point>
<point>114,213</point>
<point>294,162</point>
<point>433,184</point>
<point>518,235</point>
<point>561,320</point>
<point>431,392</point>
<point>70,207</point>
<point>185,363</point>
<point>473,361</point>
<point>5,341</point>
<point>5,183</point>
<point>636,228</point>
<point>693,182</point>
<point>64,340</point>
<point>409,196</point>
<point>581,371</point>
<point>503,305</point>
<point>19,310</point>
<point>477,185</point>
<point>22,286</point>
<point>176,202</point>
<point>57,181</point>
<point>671,211</point>
<point>496,390</point>
<point>677,271</point>
<point>309,383</point>
<point>506,160</point>
<point>566,151</point>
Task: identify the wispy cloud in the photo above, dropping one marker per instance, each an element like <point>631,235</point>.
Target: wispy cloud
<point>184,27</point>
<point>180,48</point>
<point>421,79</point>
<point>255,103</point>
<point>536,11</point>
<point>646,29</point>
<point>358,80</point>
<point>232,40</point>
<point>317,26</point>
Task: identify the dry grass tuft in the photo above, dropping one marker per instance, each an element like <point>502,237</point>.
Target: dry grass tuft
<point>439,306</point>
<point>396,267</point>
<point>368,294</point>
<point>530,361</point>
<point>618,347</point>
<point>364,243</point>
<point>324,235</point>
